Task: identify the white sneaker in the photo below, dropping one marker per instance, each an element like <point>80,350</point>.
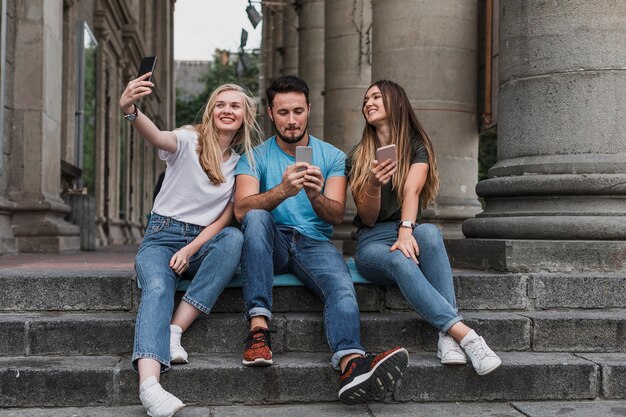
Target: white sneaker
<point>158,402</point>
<point>483,358</point>
<point>449,350</point>
<point>177,352</point>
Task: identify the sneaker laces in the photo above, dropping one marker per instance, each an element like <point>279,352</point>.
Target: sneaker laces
<point>448,343</point>
<point>258,337</point>
<point>479,348</point>
<point>157,396</point>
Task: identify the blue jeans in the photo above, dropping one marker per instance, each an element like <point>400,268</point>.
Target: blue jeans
<point>269,249</point>
<point>428,287</point>
<point>210,270</point>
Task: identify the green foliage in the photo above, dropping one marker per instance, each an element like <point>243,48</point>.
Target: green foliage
<point>222,71</point>
<point>487,152</point>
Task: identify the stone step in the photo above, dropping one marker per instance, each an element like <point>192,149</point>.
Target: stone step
<point>408,409</point>
<point>98,290</point>
<point>112,333</point>
<point>220,379</point>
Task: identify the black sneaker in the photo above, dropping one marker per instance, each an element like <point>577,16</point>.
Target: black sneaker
<point>371,377</point>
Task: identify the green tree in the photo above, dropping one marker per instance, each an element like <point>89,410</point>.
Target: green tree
<point>226,68</point>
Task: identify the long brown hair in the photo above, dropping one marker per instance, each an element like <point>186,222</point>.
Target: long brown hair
<point>404,129</point>
<point>248,135</point>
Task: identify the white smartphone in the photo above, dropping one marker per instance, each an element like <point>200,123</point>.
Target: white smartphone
<point>304,154</point>
<point>386,152</point>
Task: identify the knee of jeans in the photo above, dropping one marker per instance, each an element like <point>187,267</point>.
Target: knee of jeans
<point>428,235</point>
<point>344,298</point>
<point>156,289</point>
<point>233,237</point>
<point>256,217</point>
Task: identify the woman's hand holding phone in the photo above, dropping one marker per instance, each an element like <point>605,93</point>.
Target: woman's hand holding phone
<point>137,88</point>
<point>381,172</point>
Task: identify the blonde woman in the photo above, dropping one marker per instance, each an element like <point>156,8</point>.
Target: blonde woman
<point>392,247</point>
<point>187,235</point>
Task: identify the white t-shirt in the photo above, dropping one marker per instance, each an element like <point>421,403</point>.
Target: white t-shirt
<point>187,194</point>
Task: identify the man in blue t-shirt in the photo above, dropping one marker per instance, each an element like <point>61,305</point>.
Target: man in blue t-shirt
<point>287,210</point>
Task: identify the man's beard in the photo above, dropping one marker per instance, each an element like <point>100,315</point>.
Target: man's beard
<point>288,139</point>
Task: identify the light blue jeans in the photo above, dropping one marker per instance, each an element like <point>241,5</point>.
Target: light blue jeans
<point>269,249</point>
<point>210,270</point>
<point>427,287</point>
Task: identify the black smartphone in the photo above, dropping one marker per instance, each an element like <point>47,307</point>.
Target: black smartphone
<point>147,65</point>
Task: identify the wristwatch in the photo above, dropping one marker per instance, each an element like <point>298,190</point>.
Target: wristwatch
<point>407,223</point>
<point>131,117</point>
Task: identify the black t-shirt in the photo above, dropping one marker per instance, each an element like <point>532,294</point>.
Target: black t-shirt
<point>390,210</point>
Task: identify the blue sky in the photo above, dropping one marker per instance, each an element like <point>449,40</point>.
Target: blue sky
<point>200,26</point>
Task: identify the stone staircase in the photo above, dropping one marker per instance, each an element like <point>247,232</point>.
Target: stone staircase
<point>67,339</point>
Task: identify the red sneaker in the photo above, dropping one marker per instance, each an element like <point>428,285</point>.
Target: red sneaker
<point>258,348</point>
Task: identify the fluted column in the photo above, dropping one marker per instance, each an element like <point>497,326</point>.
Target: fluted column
<point>311,59</point>
<point>290,39</point>
<point>561,170</point>
<point>37,220</point>
<point>348,70</point>
<point>430,48</point>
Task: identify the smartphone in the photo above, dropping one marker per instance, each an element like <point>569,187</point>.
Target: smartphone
<point>386,152</point>
<point>147,65</point>
<point>304,154</point>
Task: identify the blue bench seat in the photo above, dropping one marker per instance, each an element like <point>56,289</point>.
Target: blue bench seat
<point>284,280</point>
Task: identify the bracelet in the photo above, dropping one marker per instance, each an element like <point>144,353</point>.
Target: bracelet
<point>373,196</point>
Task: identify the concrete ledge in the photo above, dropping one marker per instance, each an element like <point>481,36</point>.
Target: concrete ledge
<point>613,367</point>
<point>538,255</point>
<point>220,379</point>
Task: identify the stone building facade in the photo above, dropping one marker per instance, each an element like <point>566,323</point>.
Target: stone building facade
<point>548,75</point>
<point>64,64</point>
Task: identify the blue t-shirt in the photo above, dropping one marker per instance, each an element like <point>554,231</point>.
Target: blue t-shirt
<point>297,212</point>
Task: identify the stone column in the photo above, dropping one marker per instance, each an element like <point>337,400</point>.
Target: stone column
<point>348,70</point>
<point>38,223</point>
<point>290,40</point>
<point>430,49</point>
<point>277,40</point>
<point>561,170</point>
<point>7,241</point>
<point>311,59</point>
<point>265,70</point>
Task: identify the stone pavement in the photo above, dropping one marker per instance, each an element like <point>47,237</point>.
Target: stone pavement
<point>117,257</point>
<point>515,409</point>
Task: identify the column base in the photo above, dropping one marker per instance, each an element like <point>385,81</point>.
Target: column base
<point>538,255</point>
<point>48,244</point>
<point>40,227</point>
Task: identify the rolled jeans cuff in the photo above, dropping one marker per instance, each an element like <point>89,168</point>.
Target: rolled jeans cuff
<point>196,304</point>
<point>451,323</point>
<point>258,311</point>
<point>165,365</point>
<point>341,353</point>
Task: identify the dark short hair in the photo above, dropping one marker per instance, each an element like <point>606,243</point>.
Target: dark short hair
<point>287,84</point>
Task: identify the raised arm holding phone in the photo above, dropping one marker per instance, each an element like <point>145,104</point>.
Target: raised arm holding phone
<point>389,188</point>
<point>187,235</point>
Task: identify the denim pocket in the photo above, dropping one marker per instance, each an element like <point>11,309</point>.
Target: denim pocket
<point>155,226</point>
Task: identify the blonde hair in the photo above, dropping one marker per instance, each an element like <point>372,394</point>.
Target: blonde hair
<point>248,135</point>
<point>404,129</point>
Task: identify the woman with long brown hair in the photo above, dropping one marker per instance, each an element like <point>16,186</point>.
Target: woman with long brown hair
<point>392,247</point>
<point>188,234</point>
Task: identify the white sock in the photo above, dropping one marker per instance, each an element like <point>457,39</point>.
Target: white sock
<point>468,338</point>
<point>150,381</point>
<point>175,332</point>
